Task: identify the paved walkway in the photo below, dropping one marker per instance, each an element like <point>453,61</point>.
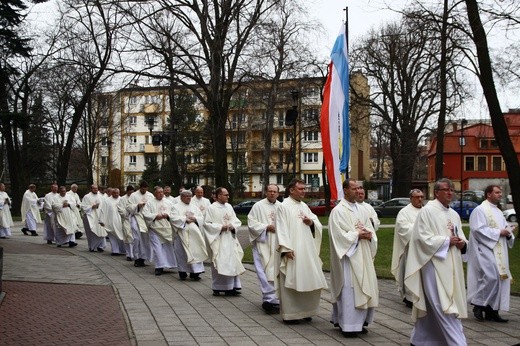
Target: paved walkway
<point>166,311</point>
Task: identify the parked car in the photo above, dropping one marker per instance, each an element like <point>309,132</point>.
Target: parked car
<point>510,215</point>
<point>245,206</point>
<point>374,202</point>
<point>476,196</point>
<point>317,206</point>
<point>467,208</point>
<point>391,207</point>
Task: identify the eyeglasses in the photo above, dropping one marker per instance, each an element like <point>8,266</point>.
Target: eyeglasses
<point>446,190</point>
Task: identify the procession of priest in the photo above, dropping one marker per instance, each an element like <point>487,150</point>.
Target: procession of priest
<point>182,233</point>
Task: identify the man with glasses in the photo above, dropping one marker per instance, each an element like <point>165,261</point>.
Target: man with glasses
<point>434,275</point>
<point>402,233</point>
<point>489,278</point>
<point>220,227</point>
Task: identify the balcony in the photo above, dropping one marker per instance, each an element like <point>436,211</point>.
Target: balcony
<point>150,108</point>
<point>149,149</point>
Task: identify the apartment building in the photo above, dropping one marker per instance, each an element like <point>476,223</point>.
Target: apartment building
<point>135,116</point>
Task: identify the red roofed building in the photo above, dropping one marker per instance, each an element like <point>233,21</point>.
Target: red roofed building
<point>482,161</point>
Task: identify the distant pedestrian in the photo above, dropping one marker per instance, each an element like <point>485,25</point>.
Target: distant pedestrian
<point>353,246</point>
<point>402,234</point>
<point>360,198</point>
<point>96,233</point>
<point>298,270</point>
<point>489,278</point>
<point>434,274</point>
<point>220,227</point>
<point>30,211</point>
<point>6,221</point>
<point>157,213</point>
<point>65,219</point>
<point>110,218</point>
<point>49,225</point>
<point>190,246</point>
<point>141,248</point>
<point>262,234</point>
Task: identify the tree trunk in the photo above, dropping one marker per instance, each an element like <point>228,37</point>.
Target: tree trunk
<point>488,86</point>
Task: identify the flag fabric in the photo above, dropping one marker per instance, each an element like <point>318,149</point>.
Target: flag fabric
<point>334,118</point>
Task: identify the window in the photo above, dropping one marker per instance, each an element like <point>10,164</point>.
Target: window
<point>132,120</point>
<point>310,157</point>
<point>132,139</point>
<point>192,180</point>
<point>475,163</point>
<point>481,163</point>
<point>288,136</point>
<point>496,163</point>
<point>310,136</point>
<point>488,143</point>
<point>281,118</point>
<point>133,100</point>
<point>104,141</point>
<point>238,138</point>
<point>310,114</point>
<point>308,178</point>
<point>149,158</point>
<point>132,179</point>
<point>104,161</point>
<point>279,179</point>
<point>133,160</point>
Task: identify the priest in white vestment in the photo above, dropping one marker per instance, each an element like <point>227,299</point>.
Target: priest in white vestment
<point>299,276</point>
<point>353,246</point>
<point>200,201</point>
<point>434,274</point>
<point>75,206</point>
<point>49,224</point>
<point>141,248</point>
<point>190,246</point>
<point>30,211</point>
<point>111,220</point>
<point>370,209</point>
<point>96,233</point>
<point>6,220</point>
<point>489,278</point>
<point>65,219</point>
<point>168,194</point>
<point>157,213</point>
<point>220,227</point>
<point>128,238</point>
<point>402,233</point>
<point>262,235</point>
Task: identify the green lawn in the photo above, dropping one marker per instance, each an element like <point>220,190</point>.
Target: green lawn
<point>383,259</point>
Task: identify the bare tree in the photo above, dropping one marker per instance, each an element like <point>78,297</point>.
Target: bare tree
<point>401,64</point>
<point>488,86</point>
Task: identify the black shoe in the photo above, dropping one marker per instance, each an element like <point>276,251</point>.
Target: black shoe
<point>139,262</point>
<point>350,334</point>
<point>3,237</point>
<point>49,242</point>
<point>216,293</point>
<point>237,290</point>
<point>72,244</point>
<point>307,319</point>
<point>24,231</point>
<point>183,276</point>
<point>128,258</point>
<point>408,303</point>
<point>33,233</point>
<point>158,271</point>
<point>271,308</point>
<point>494,316</point>
<point>478,313</point>
<point>231,293</point>
<point>364,331</point>
<point>91,250</point>
<point>78,234</point>
<point>59,245</point>
<point>195,276</point>
<point>100,249</point>
<point>115,254</point>
<point>291,321</point>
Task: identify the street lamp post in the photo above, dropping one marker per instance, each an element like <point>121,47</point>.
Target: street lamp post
<point>290,120</point>
<point>462,143</point>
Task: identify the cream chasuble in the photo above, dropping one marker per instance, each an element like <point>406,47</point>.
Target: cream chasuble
<point>190,235</point>
<point>92,214</point>
<point>110,217</point>
<point>162,227</point>
<point>133,207</point>
<point>64,214</point>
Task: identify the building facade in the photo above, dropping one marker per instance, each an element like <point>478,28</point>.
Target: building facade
<point>478,162</point>
<point>134,116</point>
